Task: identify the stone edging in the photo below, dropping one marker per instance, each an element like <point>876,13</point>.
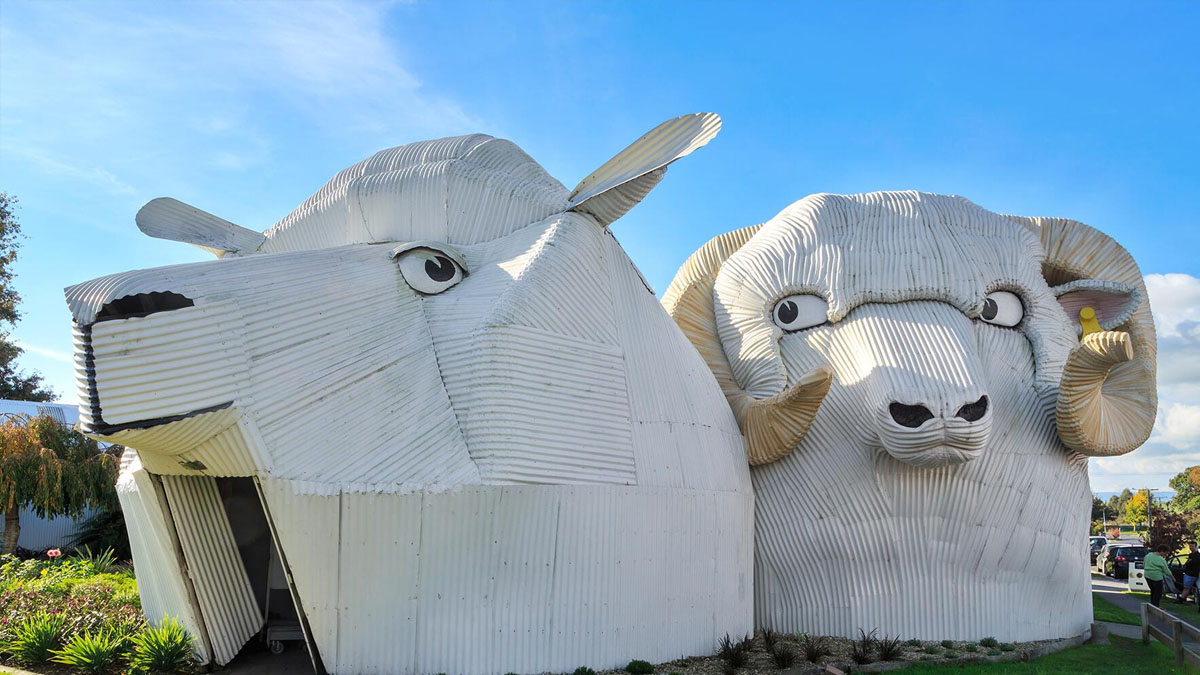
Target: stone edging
<point>1026,655</point>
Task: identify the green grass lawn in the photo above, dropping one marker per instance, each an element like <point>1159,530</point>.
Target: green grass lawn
<point>1107,611</point>
<point>1133,658</point>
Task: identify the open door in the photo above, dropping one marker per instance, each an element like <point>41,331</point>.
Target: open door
<point>238,573</point>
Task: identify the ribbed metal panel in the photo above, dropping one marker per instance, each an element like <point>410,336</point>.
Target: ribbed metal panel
<point>163,589</point>
<point>227,604</point>
<point>527,575</point>
<point>39,533</point>
<point>499,187</point>
<point>181,362</point>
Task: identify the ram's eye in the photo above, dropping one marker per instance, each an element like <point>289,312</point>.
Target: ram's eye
<point>797,312</point>
<point>429,271</point>
<point>1002,308</point>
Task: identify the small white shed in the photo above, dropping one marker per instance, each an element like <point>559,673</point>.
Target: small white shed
<point>42,533</point>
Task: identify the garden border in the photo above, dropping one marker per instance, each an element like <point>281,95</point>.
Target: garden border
<point>1025,655</point>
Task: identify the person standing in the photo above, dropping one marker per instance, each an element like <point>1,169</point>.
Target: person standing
<point>1191,570</point>
<point>1155,567</point>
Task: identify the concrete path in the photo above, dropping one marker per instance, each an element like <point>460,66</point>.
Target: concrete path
<point>1114,591</point>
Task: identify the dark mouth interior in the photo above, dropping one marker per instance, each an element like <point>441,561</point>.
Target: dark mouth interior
<point>142,304</point>
<point>101,429</point>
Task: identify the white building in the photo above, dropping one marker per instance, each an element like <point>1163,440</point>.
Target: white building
<point>42,533</point>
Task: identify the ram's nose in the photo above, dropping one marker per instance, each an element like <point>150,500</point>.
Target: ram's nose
<point>915,416</point>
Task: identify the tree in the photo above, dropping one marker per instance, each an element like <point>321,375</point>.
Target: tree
<point>56,470</point>
<point>14,384</point>
<point>1137,508</point>
<point>1167,529</point>
<point>1102,511</point>
<point>1186,485</point>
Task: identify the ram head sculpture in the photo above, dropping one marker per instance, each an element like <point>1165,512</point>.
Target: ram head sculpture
<point>436,411</point>
<point>920,383</point>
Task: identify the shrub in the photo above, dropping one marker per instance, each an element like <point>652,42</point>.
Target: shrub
<point>769,638</point>
<point>167,648</point>
<point>104,562</point>
<point>639,667</point>
<point>914,643</point>
<point>994,652</point>
<point>948,644</point>
<point>34,639</point>
<point>971,647</point>
<point>734,654</point>
<point>1007,647</point>
<point>814,648</point>
<point>890,649</point>
<point>92,653</point>
<point>783,656</point>
<point>584,670</point>
<point>932,649</point>
<point>862,650</point>
<point>950,654</point>
<point>105,529</point>
<point>989,642</point>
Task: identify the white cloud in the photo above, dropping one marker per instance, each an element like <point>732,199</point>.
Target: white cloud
<point>1175,301</point>
<point>52,354</point>
<point>1179,426</point>
<point>118,96</point>
<point>1175,443</point>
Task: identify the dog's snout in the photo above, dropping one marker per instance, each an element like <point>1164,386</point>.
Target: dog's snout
<point>142,304</point>
<point>911,416</point>
<point>973,412</point>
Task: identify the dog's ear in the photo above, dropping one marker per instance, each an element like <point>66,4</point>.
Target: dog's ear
<point>623,181</point>
<point>166,218</point>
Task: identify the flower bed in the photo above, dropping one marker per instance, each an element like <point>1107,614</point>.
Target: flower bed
<point>83,613</point>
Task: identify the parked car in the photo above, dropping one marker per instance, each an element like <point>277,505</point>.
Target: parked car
<point>1094,546</point>
<point>1114,559</point>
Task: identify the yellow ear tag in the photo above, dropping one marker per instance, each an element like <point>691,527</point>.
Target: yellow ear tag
<point>1087,319</point>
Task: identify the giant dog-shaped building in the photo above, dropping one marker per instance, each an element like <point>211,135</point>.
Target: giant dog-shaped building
<point>445,398</point>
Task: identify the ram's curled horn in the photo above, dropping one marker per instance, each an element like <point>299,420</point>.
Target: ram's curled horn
<point>1107,397</point>
<point>771,426</point>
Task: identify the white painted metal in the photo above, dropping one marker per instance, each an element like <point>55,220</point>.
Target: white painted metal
<point>162,581</point>
<point>526,472</point>
<point>1137,577</point>
<point>227,604</point>
<point>956,528</point>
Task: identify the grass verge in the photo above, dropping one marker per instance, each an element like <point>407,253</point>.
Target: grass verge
<point>1103,610</point>
<point>1134,659</point>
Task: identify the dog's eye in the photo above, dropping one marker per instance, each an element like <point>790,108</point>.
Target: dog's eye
<point>428,271</point>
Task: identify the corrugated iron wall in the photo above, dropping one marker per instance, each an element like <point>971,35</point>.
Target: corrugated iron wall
<point>527,575</point>
<point>39,533</point>
<point>163,587</point>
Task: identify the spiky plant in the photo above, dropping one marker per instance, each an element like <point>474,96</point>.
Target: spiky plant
<point>890,648</point>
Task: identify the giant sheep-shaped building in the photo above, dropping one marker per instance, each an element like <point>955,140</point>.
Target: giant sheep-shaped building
<point>441,402</point>
<point>919,400</point>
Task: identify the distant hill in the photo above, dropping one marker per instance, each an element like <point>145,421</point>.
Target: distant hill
<point>1159,495</point>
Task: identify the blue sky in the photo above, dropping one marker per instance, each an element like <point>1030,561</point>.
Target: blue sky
<point>1086,110</point>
